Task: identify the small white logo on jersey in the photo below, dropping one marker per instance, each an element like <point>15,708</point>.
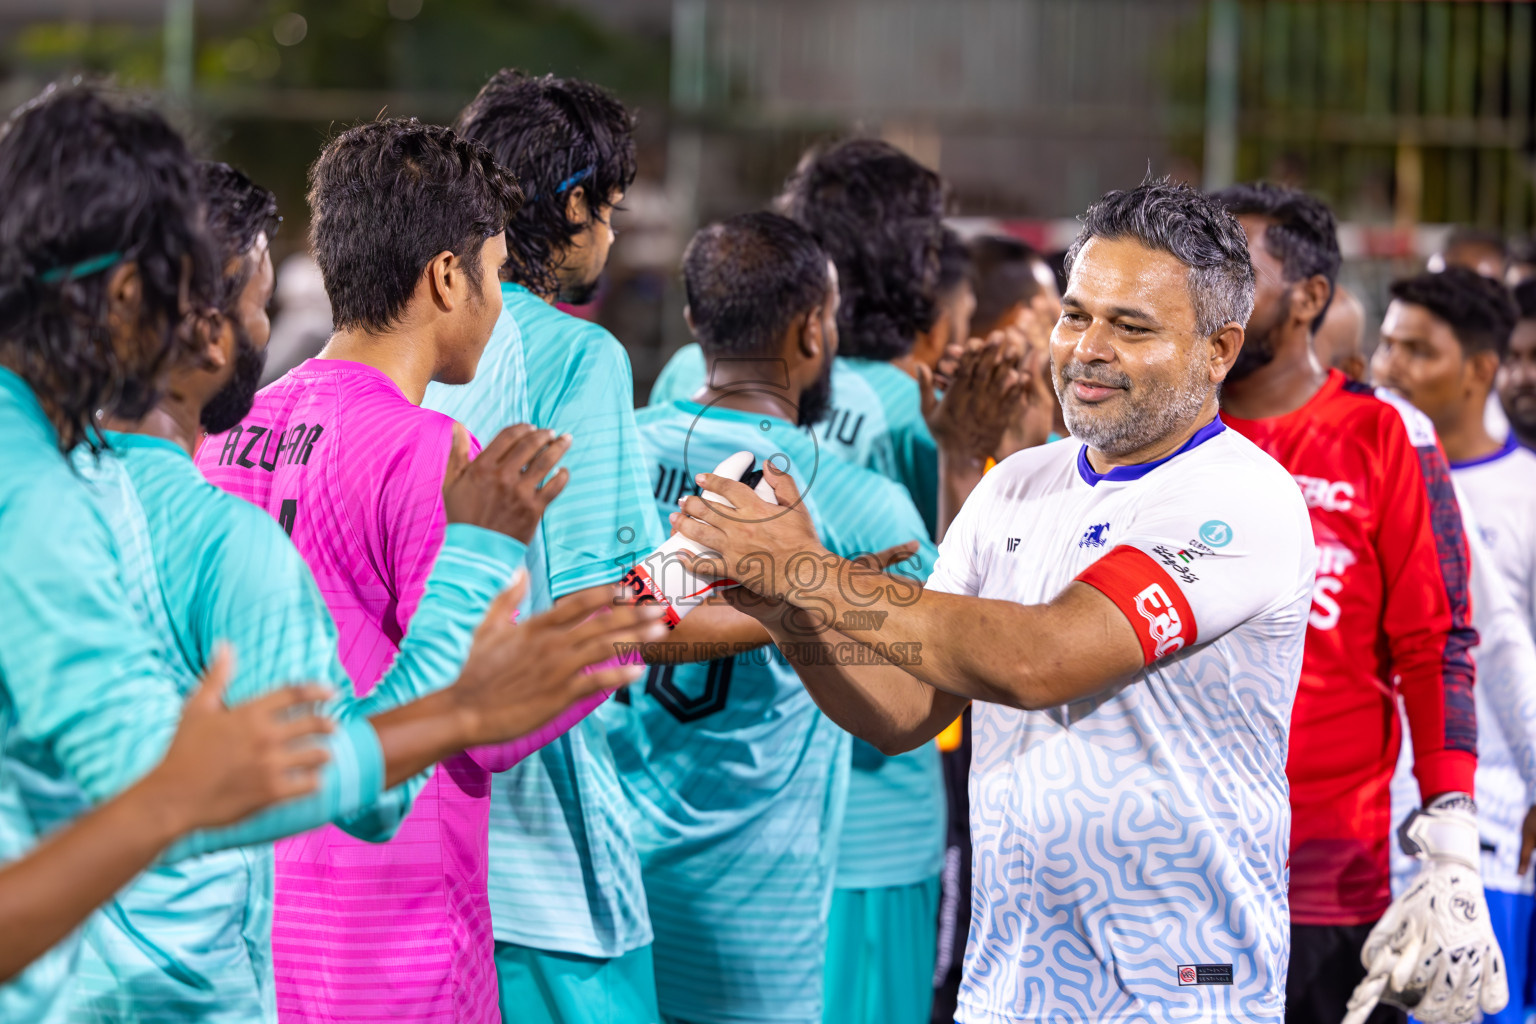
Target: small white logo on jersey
<point>1163,623</point>
<point>1013,544</point>
<point>1328,495</point>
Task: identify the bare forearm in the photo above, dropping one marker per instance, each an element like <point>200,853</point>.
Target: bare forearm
<point>712,630</point>
<point>59,883</point>
<point>1023,656</point>
<point>958,477</point>
<point>415,736</point>
<point>877,701</point>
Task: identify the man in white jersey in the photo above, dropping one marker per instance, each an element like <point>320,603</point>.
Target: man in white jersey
<point>1129,606</point>
<point>1442,341</point>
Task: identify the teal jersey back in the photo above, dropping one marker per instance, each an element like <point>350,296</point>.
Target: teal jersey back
<point>191,940</point>
<point>564,873</point>
<point>876,421</point>
<point>88,700</point>
<point>893,833</point>
<point>739,779</point>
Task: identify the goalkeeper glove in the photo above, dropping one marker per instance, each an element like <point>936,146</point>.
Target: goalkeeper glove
<point>1434,951</point>
<point>661,575</point>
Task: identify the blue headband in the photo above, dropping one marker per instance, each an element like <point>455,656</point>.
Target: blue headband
<point>81,269</point>
<point>569,183</point>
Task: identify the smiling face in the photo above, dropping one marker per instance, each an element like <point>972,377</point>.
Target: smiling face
<point>1130,367</point>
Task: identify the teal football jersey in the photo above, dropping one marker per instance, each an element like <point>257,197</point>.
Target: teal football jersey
<point>738,777</point>
<point>88,700</point>
<point>564,873</point>
<point>191,940</point>
<point>894,830</point>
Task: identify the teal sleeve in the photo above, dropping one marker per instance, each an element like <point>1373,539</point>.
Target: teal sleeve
<point>680,378</point>
<point>605,519</point>
<point>263,600</point>
<point>918,466</point>
<point>87,687</point>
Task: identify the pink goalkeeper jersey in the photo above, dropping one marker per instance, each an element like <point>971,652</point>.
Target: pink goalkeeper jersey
<point>362,931</point>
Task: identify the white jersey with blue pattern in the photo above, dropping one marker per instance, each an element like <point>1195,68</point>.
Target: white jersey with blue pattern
<point>1130,848</point>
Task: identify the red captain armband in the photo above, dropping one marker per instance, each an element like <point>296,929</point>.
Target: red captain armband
<point>1148,597</point>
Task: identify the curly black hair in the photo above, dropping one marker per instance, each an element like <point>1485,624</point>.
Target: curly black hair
<point>1303,234</point>
<point>387,196</point>
<point>91,181</point>
<point>238,212</point>
<point>554,135</point>
<point>879,214</point>
<point>1478,309</point>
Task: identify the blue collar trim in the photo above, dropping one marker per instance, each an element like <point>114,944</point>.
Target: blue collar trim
<point>1510,444</point>
<point>1118,474</point>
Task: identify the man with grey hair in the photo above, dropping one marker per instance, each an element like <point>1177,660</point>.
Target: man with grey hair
<point>1128,608</point>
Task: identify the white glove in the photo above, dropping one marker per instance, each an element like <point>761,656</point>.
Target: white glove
<point>1434,951</point>
<point>661,575</point>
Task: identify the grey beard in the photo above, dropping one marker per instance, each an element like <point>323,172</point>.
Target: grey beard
<point>1150,413</point>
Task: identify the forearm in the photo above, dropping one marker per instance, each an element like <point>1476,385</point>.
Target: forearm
<point>415,736</point>
<point>958,476</point>
<point>881,703</point>
<point>52,889</point>
<point>712,630</point>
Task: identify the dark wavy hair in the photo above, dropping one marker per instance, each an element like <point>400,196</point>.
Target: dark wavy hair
<point>237,212</point>
<point>748,278</point>
<point>1302,232</point>
<point>90,181</point>
<point>1478,309</point>
<point>879,214</point>
<point>387,196</point>
<point>553,134</point>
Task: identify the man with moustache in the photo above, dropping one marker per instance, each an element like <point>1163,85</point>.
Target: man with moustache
<point>1111,601</point>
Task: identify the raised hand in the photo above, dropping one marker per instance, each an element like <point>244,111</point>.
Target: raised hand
<point>504,489</point>
<point>519,676</point>
<point>986,387</point>
<point>225,764</point>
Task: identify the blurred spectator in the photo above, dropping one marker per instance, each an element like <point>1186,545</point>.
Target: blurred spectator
<point>1339,342</point>
<point>302,325</point>
<point>1010,276</point>
<point>1474,248</point>
<point>1517,374</point>
<point>1522,261</point>
<point>956,300</point>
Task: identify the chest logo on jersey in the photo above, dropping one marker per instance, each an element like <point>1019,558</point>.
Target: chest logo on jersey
<point>1216,533</point>
<point>1163,623</point>
<point>1013,544</point>
<point>1094,537</point>
<point>1328,495</point>
<point>256,447</point>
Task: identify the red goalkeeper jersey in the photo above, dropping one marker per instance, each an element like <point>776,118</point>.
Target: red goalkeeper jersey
<point>1389,615</point>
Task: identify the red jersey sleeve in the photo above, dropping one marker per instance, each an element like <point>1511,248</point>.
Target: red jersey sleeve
<point>1426,613</point>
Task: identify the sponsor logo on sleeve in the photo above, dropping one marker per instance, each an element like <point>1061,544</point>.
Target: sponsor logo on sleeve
<point>1205,974</point>
<point>1178,562</point>
<point>1163,623</point>
<point>1216,533</point>
<point>1095,536</point>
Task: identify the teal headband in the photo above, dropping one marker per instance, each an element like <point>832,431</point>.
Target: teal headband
<point>81,269</point>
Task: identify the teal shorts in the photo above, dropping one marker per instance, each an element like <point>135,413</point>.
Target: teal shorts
<point>543,987</point>
<point>881,946</point>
